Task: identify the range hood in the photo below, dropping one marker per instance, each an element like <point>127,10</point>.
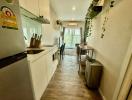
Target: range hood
<point>30,15</point>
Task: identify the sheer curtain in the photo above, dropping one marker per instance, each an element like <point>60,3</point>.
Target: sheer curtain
<point>71,37</point>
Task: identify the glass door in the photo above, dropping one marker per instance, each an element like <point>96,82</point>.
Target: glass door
<point>72,36</point>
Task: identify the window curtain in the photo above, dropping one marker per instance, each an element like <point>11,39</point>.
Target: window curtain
<point>72,36</point>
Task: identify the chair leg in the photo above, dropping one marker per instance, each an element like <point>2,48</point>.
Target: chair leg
<point>62,56</point>
<point>64,52</point>
<point>79,59</point>
<point>79,68</point>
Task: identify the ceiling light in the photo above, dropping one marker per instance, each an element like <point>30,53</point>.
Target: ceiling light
<point>73,8</point>
<point>72,24</point>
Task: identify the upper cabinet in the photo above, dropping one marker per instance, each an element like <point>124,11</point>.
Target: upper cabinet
<point>44,8</point>
<point>33,6</point>
<point>37,7</point>
<point>30,5</point>
<point>23,3</point>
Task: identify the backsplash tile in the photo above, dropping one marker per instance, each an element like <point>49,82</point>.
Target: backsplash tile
<point>29,27</point>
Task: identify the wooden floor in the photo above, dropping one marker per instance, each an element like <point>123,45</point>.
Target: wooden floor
<point>67,84</point>
<point>71,52</point>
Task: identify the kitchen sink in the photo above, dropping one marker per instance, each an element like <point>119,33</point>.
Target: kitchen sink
<point>48,45</point>
<point>35,51</point>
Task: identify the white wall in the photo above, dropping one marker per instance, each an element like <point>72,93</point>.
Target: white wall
<point>50,31</point>
<point>80,24</point>
<point>119,91</point>
<point>111,49</point>
<point>30,27</point>
<point>49,34</point>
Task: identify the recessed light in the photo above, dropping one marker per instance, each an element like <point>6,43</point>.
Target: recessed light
<point>72,19</point>
<point>73,8</point>
<point>72,24</point>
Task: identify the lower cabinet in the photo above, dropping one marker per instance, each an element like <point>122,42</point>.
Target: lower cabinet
<point>39,77</point>
<point>42,71</point>
<point>49,65</point>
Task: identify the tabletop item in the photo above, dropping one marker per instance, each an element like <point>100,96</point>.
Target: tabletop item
<point>84,51</point>
<point>35,41</point>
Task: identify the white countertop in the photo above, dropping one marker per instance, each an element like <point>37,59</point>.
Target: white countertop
<point>34,57</point>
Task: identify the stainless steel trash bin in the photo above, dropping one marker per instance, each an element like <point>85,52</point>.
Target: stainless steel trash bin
<point>93,73</point>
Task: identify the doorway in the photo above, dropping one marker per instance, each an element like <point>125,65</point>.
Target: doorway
<point>129,97</point>
<point>126,88</point>
<point>72,36</point>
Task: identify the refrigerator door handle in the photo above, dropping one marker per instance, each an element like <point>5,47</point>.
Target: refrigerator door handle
<point>12,59</point>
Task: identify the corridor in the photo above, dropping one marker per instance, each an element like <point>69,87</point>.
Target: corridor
<point>67,84</point>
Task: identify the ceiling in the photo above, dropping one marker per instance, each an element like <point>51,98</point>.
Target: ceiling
<point>63,9</point>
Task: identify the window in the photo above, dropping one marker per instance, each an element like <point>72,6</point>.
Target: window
<point>71,37</point>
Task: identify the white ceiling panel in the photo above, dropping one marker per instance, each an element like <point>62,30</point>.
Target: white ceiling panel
<point>64,10</point>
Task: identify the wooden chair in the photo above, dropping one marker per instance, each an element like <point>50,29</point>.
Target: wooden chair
<point>85,51</point>
<point>62,48</point>
<point>82,58</point>
<point>77,51</point>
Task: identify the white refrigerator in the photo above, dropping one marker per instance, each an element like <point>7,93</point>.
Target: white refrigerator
<point>15,81</point>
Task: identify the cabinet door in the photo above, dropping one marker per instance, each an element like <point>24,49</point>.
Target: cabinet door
<point>33,7</point>
<point>30,5</point>
<point>23,3</point>
<point>49,65</point>
<point>44,8</point>
<point>39,77</point>
<point>130,94</point>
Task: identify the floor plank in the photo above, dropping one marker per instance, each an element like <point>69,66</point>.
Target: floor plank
<point>67,84</point>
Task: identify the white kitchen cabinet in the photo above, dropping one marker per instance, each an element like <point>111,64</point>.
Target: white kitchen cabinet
<point>23,3</point>
<point>30,5</point>
<point>49,65</point>
<point>33,6</point>
<point>42,69</point>
<point>37,7</point>
<point>39,77</point>
<point>44,6</point>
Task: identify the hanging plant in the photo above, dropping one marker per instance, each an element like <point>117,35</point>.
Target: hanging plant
<point>88,29</point>
<point>106,18</point>
<point>104,25</point>
<point>112,3</point>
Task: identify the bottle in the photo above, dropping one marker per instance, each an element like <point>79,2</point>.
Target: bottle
<point>39,42</point>
<point>34,40</point>
<point>31,41</point>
